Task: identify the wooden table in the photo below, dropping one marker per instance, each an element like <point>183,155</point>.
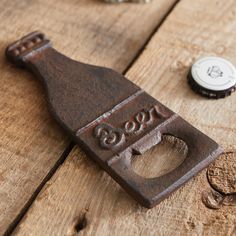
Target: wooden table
<point>47,185</point>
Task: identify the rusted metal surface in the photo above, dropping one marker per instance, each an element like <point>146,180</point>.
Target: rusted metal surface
<point>222,173</point>
<point>111,118</point>
<point>215,200</point>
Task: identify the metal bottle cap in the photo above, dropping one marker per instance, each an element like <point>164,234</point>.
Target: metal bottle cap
<point>213,77</point>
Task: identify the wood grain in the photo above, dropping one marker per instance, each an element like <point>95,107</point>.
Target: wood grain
<point>82,198</point>
<point>91,31</point>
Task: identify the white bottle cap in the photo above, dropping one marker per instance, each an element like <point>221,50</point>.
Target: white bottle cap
<point>213,77</point>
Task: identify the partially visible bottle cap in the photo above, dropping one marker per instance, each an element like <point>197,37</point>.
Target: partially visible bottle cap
<point>213,77</point>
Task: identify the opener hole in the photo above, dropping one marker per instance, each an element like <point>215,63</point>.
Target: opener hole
<point>160,159</point>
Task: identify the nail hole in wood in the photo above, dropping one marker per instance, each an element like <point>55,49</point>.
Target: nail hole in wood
<point>81,224</point>
<point>160,159</point>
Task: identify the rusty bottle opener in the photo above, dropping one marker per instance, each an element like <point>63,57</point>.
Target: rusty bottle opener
<point>112,119</point>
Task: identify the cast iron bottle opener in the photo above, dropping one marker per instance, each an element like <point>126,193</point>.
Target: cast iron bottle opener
<point>112,119</point>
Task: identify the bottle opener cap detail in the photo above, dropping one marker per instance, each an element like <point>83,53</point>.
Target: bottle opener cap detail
<point>213,77</point>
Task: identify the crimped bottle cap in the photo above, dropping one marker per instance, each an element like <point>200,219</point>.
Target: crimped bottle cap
<point>213,77</point>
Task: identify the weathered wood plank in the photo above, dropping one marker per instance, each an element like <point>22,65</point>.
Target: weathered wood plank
<point>31,143</point>
<point>81,192</point>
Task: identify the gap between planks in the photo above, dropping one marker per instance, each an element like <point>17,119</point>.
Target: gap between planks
<point>140,51</point>
<point>59,162</point>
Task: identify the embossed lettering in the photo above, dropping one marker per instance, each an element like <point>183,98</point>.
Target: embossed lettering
<point>110,137</point>
<point>141,120</point>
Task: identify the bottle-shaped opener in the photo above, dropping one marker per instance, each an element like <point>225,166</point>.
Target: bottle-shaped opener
<point>112,119</point>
